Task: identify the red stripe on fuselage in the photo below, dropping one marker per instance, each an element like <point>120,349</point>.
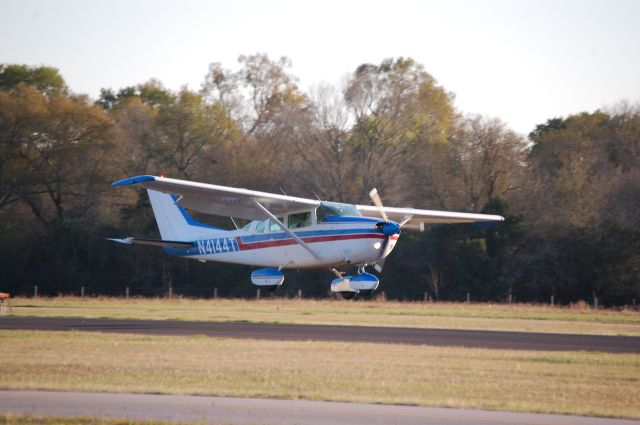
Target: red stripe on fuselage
<point>311,239</point>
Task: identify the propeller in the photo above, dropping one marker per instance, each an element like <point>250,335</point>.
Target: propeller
<point>387,227</point>
<point>375,197</point>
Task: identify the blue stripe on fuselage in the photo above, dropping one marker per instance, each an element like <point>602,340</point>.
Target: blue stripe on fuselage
<point>302,234</point>
<point>233,246</point>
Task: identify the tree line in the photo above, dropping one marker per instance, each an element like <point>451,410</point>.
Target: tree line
<point>570,190</point>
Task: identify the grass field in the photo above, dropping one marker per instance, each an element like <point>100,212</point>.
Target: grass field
<point>517,317</point>
<point>585,383</point>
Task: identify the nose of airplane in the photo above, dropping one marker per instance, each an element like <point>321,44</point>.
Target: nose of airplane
<point>388,228</point>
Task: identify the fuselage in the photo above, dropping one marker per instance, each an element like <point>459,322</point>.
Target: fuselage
<point>337,240</point>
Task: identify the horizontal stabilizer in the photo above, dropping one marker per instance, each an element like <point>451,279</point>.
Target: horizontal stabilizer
<point>154,242</point>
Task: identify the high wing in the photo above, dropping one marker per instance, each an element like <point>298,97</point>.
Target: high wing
<point>221,200</point>
<point>415,218</point>
<point>244,203</point>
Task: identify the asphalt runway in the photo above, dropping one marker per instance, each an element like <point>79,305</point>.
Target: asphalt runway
<point>239,411</point>
<point>436,337</point>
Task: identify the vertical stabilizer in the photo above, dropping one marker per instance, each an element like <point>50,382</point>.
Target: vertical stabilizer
<point>173,221</point>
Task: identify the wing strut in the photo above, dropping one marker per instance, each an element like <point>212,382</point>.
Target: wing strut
<point>288,231</point>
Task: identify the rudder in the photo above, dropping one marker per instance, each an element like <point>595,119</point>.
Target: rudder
<point>173,221</point>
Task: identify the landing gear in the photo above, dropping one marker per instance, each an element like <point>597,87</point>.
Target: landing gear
<point>347,287</point>
<point>362,295</point>
<point>346,295</point>
<point>268,279</point>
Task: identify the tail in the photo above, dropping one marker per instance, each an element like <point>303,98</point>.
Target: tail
<point>173,221</point>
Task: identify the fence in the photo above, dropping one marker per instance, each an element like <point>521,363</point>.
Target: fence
<point>284,292</point>
<point>207,293</point>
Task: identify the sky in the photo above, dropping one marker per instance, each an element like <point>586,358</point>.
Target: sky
<point>520,61</point>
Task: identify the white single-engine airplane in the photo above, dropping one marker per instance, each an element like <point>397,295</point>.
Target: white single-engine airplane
<point>285,232</point>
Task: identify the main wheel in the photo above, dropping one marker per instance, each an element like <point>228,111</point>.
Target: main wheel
<point>346,295</point>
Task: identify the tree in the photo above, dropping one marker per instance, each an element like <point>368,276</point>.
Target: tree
<point>192,134</point>
<point>264,101</point>
<point>54,152</point>
<point>152,93</point>
<point>53,174</point>
<point>583,174</point>
<point>46,79</point>
<point>490,159</point>
<point>397,108</point>
<point>222,86</point>
<point>261,95</point>
<point>323,147</point>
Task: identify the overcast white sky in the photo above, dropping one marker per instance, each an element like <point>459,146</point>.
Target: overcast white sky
<point>520,61</point>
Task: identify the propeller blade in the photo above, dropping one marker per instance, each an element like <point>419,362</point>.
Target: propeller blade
<point>375,197</point>
<point>385,250</point>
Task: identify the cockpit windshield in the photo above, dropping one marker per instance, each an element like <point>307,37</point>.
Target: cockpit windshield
<point>331,209</point>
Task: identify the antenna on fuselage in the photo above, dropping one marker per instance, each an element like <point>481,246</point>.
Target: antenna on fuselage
<point>283,192</point>
<point>234,223</point>
<point>316,195</point>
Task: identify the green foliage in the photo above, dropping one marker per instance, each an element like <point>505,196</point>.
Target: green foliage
<point>570,193</point>
<point>151,93</point>
<point>46,79</point>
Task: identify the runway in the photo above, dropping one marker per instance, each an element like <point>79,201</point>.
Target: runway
<point>415,336</point>
<point>239,411</point>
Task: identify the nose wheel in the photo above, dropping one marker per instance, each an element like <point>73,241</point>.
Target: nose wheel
<point>362,284</point>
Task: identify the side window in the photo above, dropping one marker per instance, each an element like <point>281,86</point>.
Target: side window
<point>273,226</point>
<point>299,220</point>
<point>320,215</point>
<point>260,227</point>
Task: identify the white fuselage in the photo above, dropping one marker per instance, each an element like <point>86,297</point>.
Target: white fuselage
<point>336,242</point>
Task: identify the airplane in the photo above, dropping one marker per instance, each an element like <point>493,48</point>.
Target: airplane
<point>284,232</point>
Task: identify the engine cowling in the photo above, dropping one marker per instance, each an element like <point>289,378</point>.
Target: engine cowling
<point>349,286</point>
<point>388,228</point>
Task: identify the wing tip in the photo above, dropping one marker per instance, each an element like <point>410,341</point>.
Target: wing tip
<point>133,180</point>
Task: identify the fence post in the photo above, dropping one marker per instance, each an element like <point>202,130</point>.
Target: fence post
<point>35,291</point>
<point>215,293</point>
<point>468,297</point>
<point>426,296</point>
<point>510,299</point>
<point>258,294</point>
<point>82,292</point>
<point>633,303</point>
<point>126,292</point>
<point>170,291</point>
<point>300,294</point>
<point>595,302</point>
<point>553,300</point>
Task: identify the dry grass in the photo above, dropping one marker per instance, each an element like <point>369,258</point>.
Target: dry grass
<point>583,383</point>
<point>517,317</point>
